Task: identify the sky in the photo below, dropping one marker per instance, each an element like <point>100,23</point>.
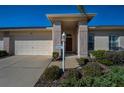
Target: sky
<point>35,16</point>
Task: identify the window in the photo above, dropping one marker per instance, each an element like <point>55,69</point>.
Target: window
<point>113,42</point>
<point>91,42</point>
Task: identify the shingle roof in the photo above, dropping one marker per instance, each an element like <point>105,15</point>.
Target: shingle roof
<point>23,28</point>
<point>107,27</point>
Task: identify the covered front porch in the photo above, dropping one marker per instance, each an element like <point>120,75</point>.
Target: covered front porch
<point>76,29</point>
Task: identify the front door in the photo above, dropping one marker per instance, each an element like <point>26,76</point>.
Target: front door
<point>68,44</point>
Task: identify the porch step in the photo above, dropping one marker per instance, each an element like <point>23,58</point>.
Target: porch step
<point>71,57</point>
<point>69,63</point>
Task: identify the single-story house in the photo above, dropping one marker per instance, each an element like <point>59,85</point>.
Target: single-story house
<point>80,38</point>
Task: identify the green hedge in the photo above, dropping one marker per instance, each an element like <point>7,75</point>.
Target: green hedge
<point>69,73</point>
<point>114,78</point>
<point>55,56</point>
<point>99,54</point>
<point>105,62</point>
<point>51,73</point>
<point>3,53</point>
<point>82,61</point>
<point>116,57</point>
<point>91,69</point>
<point>70,78</point>
<point>109,57</point>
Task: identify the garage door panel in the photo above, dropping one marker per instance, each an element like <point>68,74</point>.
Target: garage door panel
<point>34,47</point>
<point>33,43</point>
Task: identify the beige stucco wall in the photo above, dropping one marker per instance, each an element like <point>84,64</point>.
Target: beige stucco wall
<point>101,43</point>
<point>101,39</point>
<point>44,35</point>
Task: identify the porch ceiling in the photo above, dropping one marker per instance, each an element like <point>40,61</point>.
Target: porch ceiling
<point>69,25</point>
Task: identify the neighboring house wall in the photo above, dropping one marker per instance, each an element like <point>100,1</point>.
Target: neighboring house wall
<point>101,39</point>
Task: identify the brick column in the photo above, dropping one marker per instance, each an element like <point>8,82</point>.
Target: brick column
<point>56,36</point>
<point>6,40</point>
<point>82,40</point>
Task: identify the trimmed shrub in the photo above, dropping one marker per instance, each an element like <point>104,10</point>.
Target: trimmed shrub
<point>121,54</point>
<point>3,53</point>
<point>85,82</point>
<point>71,73</point>
<point>82,61</point>
<point>92,69</point>
<point>116,57</point>
<point>70,78</point>
<point>55,56</point>
<point>106,62</point>
<point>69,82</point>
<point>52,73</point>
<point>73,82</point>
<point>115,78</point>
<point>113,57</point>
<point>99,54</point>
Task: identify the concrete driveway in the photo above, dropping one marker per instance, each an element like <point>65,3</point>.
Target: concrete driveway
<point>22,71</point>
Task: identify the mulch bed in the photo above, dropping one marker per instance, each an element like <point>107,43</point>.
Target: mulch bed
<point>56,83</point>
<point>42,83</point>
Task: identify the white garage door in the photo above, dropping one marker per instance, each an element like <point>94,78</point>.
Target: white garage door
<point>33,45</point>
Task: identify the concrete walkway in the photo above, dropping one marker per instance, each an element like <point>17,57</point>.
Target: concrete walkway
<point>22,71</point>
<point>70,62</point>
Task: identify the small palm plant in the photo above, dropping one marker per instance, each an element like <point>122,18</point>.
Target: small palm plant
<point>82,10</point>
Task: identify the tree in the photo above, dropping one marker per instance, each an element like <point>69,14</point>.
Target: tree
<point>82,10</point>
